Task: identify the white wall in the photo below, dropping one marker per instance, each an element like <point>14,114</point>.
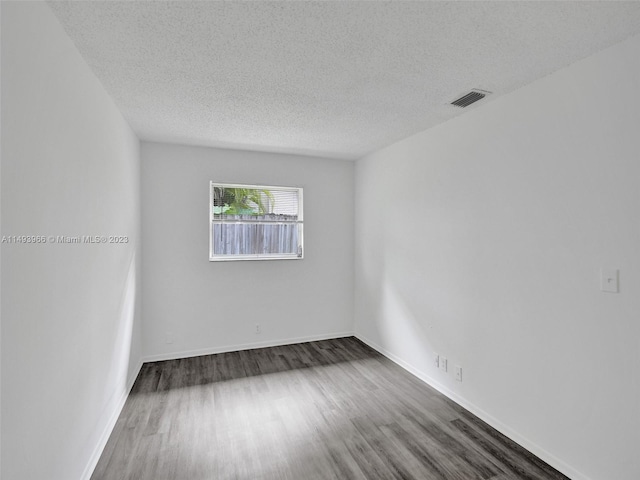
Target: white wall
<point>70,315</point>
<point>482,240</point>
<point>0,252</point>
<point>214,306</point>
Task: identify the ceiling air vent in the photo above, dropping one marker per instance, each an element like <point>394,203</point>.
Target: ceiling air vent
<point>472,97</point>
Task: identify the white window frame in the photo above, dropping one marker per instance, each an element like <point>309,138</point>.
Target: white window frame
<point>261,256</point>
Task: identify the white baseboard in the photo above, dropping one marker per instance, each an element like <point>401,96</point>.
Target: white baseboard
<point>538,451</point>
<point>244,346</point>
<point>108,428</point>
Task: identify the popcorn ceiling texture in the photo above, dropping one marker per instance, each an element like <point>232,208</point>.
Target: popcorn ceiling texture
<point>335,79</point>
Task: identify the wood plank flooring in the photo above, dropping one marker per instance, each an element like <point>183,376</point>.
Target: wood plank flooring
<point>333,409</point>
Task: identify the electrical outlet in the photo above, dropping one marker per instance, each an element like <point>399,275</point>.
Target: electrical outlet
<point>443,364</point>
<point>458,370</point>
<point>169,337</point>
<point>436,360</point>
<point>258,328</point>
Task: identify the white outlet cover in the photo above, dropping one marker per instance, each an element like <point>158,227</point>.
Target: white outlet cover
<point>458,370</point>
<point>443,364</point>
<point>609,280</point>
<point>436,360</point>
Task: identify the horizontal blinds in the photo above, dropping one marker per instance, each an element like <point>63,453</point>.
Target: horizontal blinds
<point>255,204</point>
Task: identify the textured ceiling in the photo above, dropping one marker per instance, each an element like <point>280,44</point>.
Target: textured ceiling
<point>336,79</point>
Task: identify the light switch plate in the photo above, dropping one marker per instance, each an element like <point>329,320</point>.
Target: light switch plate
<point>609,280</point>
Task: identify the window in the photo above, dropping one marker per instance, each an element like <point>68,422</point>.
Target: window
<point>255,222</point>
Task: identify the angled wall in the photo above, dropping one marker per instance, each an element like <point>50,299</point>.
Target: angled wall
<point>482,240</point>
<point>70,311</point>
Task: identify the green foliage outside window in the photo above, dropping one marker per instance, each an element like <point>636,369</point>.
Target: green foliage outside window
<point>242,201</point>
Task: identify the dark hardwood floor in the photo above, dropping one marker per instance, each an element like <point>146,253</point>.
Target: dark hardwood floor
<point>333,409</point>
